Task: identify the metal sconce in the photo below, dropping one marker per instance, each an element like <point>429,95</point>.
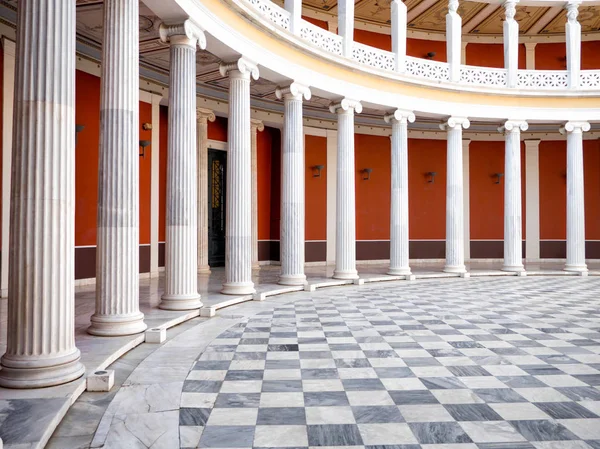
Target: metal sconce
<point>143,145</point>
<point>430,55</point>
<point>431,176</point>
<point>78,129</point>
<point>498,176</point>
<point>147,126</point>
<point>366,171</point>
<point>317,170</point>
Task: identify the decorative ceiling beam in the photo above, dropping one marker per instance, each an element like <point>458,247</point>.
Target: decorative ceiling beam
<point>545,20</point>
<point>419,9</point>
<point>479,17</point>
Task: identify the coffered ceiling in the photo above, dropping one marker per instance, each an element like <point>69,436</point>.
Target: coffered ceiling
<point>478,18</point>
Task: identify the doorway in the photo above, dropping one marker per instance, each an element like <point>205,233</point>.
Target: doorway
<point>217,169</point>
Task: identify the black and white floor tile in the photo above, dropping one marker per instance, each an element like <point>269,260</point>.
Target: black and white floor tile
<point>506,363</point>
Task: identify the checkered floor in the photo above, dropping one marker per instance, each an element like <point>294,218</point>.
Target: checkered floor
<point>490,363</point>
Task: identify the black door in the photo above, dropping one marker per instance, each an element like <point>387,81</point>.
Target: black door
<point>217,168</point>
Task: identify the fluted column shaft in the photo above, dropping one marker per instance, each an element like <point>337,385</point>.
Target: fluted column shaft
<point>202,118</point>
<point>455,250</point>
<point>513,223</point>
<point>292,186</point>
<point>399,242</point>
<point>41,348</point>
<point>255,127</point>
<point>345,236</point>
<point>238,226</point>
<point>575,197</point>
<point>181,249</point>
<point>117,256</point>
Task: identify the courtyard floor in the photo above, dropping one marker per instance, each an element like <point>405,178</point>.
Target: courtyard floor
<point>481,363</point>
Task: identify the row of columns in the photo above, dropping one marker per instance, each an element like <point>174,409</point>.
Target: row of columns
<point>453,35</point>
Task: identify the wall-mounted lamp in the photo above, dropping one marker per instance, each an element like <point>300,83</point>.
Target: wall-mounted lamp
<point>563,61</point>
<point>430,55</point>
<point>78,129</point>
<point>497,177</point>
<point>317,170</point>
<point>146,126</point>
<point>143,145</point>
<point>563,175</point>
<point>367,173</point>
<point>430,176</point>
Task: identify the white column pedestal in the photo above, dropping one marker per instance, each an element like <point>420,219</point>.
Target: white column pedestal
<point>455,249</point>
<point>399,241</point>
<point>345,240</point>
<point>238,227</point>
<point>292,186</point>
<point>575,197</point>
<point>181,249</point>
<point>203,116</point>
<point>453,40</point>
<point>573,42</point>
<point>40,350</point>
<point>513,222</point>
<point>510,28</point>
<point>117,260</point>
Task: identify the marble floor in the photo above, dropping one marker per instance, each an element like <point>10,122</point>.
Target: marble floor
<point>483,363</point>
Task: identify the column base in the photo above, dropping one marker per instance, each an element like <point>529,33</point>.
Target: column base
<point>402,271</point>
<point>576,268</point>
<point>513,268</point>
<point>292,279</point>
<point>180,302</point>
<point>346,274</point>
<point>203,269</point>
<point>40,371</point>
<point>238,288</point>
<point>116,325</point>
<point>255,266</point>
<point>455,269</point>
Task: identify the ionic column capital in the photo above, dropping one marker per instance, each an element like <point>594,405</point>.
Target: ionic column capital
<point>346,105</point>
<point>186,33</point>
<point>513,126</point>
<point>400,115</point>
<point>455,122</point>
<point>243,68</point>
<point>256,125</point>
<point>575,128</point>
<point>293,91</point>
<point>205,115</point>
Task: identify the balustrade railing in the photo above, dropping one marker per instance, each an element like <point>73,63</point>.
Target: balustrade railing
<point>423,68</point>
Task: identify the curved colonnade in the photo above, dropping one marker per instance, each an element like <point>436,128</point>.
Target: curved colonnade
<point>255,37</point>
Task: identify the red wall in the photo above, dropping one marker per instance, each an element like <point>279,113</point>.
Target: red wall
<point>145,175</point>
<point>378,40</point>
<point>552,56</point>
<point>373,195</point>
<point>420,47</point>
<point>553,190</point>
<point>162,176</point>
<point>427,201</point>
<point>315,212</point>
<point>491,55</point>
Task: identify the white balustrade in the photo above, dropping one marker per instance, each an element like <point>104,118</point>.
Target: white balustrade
<point>542,79</point>
<point>321,38</point>
<point>272,12</point>
<point>425,68</point>
<point>374,57</point>
<point>483,76</point>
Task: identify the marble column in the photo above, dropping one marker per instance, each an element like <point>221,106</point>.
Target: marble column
<point>532,199</point>
<point>292,185</point>
<point>573,42</point>
<point>455,250</point>
<point>181,246</point>
<point>399,22</point>
<point>399,198</point>
<point>255,127</point>
<point>530,55</point>
<point>294,7</point>
<point>510,29</point>
<point>117,252</point>
<point>40,349</point>
<point>513,221</point>
<point>453,38</point>
<point>238,227</point>
<point>346,25</point>
<point>345,235</point>
<point>203,116</point>
<point>575,197</point>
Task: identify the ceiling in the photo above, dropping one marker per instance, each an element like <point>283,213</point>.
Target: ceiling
<point>478,18</point>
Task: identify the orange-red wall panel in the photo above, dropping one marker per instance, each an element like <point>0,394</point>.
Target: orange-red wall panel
<point>550,56</point>
<point>553,190</point>
<point>162,176</point>
<point>377,40</point>
<point>420,47</point>
<point>217,130</point>
<point>589,55</point>
<point>491,55</point>
<point>317,22</point>
<point>427,201</point>
<point>87,113</point>
<point>275,182</point>
<point>373,195</point>
<point>264,163</point>
<point>315,153</point>
<point>145,175</point>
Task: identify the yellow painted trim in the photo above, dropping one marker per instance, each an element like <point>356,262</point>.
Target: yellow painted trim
<point>235,19</point>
